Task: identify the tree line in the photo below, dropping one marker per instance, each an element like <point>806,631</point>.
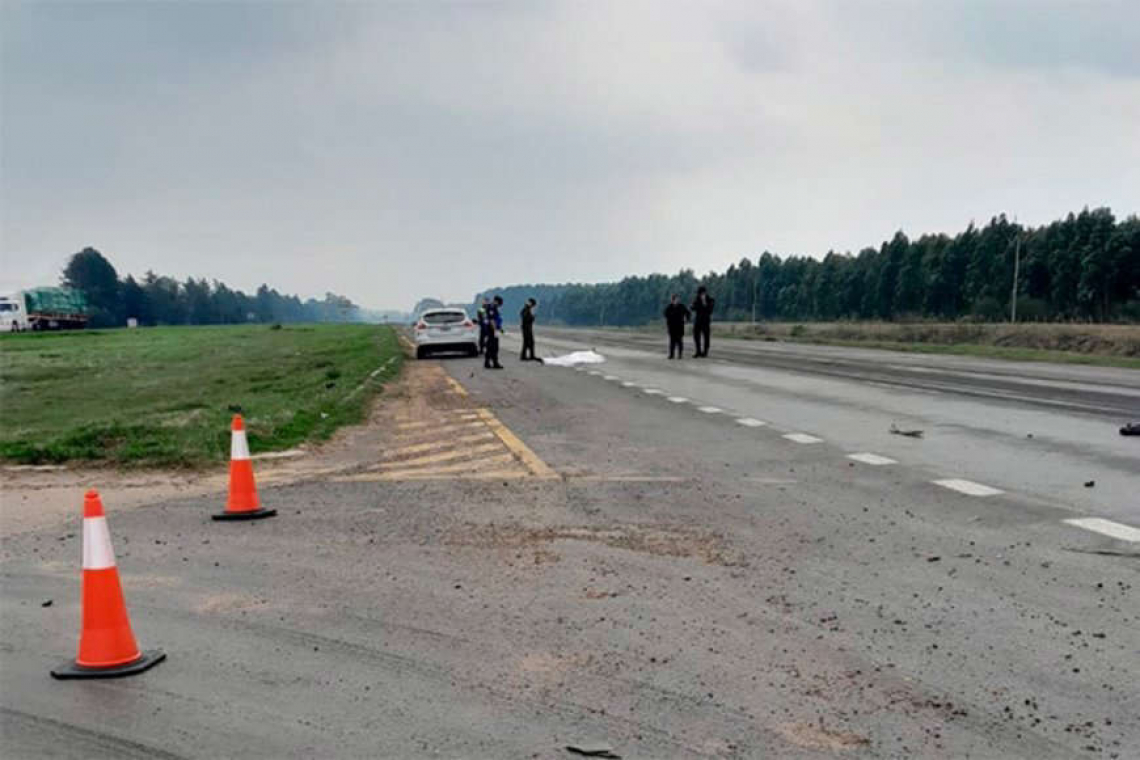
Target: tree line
<point>160,300</point>
<point>1085,267</point>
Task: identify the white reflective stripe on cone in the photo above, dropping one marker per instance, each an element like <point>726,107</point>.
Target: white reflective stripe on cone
<point>97,551</point>
<point>239,448</point>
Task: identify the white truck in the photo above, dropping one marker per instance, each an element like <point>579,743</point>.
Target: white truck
<point>13,313</point>
<point>43,309</point>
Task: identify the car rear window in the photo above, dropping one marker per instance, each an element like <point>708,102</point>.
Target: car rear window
<point>444,317</point>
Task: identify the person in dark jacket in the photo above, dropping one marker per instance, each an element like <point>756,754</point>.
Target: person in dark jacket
<point>494,327</point>
<point>702,320</point>
<point>676,315</point>
<point>481,318</point>
<point>526,321</point>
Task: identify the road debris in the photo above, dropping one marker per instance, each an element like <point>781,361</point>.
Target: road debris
<point>908,433</point>
<point>592,749</point>
<point>48,603</point>
<point>574,359</point>
<point>1132,428</point>
<point>1090,483</point>
<point>1101,552</point>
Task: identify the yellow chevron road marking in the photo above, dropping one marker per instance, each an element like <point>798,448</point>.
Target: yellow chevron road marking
<point>537,467</point>
<point>442,429</point>
<point>441,457</point>
<point>422,447</point>
<point>443,470</point>
<point>455,386</point>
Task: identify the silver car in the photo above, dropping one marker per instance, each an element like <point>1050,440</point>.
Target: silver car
<point>446,329</point>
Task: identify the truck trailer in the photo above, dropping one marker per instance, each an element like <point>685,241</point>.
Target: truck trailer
<point>43,309</point>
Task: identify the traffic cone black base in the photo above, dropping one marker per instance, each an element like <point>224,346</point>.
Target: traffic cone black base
<point>254,515</point>
<point>146,661</point>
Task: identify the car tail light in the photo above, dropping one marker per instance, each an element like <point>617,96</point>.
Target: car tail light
<point>468,323</point>
<point>421,326</point>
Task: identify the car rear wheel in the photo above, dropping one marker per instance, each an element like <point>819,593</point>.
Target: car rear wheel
<point>421,352</point>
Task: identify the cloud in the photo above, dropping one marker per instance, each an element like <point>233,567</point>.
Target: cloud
<point>392,151</point>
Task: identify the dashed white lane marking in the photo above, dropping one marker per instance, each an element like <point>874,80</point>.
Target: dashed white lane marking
<point>869,458</point>
<point>653,391</point>
<point>750,422</point>
<point>1107,528</point>
<point>968,487</point>
<point>678,399</point>
<point>629,384</point>
<point>595,373</point>
<point>803,438</point>
<point>611,378</point>
<point>709,409</point>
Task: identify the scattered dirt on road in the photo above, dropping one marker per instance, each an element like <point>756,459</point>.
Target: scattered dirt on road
<point>660,540</point>
<point>812,736</point>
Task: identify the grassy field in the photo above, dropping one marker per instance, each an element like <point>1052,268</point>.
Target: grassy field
<point>1104,345</point>
<point>165,396</point>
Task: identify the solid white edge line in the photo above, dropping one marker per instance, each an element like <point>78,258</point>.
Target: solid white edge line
<point>1106,528</point>
<point>968,487</point>
<point>867,457</point>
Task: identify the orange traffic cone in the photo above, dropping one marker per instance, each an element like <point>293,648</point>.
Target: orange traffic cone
<point>243,503</point>
<point>107,648</point>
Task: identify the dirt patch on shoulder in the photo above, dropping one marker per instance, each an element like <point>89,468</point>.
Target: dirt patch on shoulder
<point>813,736</point>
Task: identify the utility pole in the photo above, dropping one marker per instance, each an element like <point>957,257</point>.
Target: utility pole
<point>1016,267</point>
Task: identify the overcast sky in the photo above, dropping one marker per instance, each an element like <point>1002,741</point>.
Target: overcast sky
<point>392,151</point>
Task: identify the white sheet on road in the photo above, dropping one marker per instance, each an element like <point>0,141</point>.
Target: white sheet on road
<point>578,357</point>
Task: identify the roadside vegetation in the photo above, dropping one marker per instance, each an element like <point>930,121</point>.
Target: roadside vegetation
<point>1105,345</point>
<point>1083,268</point>
<point>165,396</point>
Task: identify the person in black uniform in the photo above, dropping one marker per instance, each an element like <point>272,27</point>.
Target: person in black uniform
<point>494,327</point>
<point>526,321</point>
<point>481,317</point>
<point>702,320</point>
<point>676,315</point>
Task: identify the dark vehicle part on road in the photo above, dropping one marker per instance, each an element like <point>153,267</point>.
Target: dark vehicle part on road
<point>592,749</point>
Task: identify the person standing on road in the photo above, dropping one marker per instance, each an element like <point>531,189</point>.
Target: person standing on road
<point>676,315</point>
<point>481,318</point>
<point>494,327</point>
<point>702,320</point>
<point>526,321</point>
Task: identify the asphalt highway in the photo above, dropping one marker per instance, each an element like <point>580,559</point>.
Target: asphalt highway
<point>1035,429</point>
<point>698,559</point>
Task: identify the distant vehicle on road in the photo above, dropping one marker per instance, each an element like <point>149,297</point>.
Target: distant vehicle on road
<point>446,329</point>
<point>43,309</point>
